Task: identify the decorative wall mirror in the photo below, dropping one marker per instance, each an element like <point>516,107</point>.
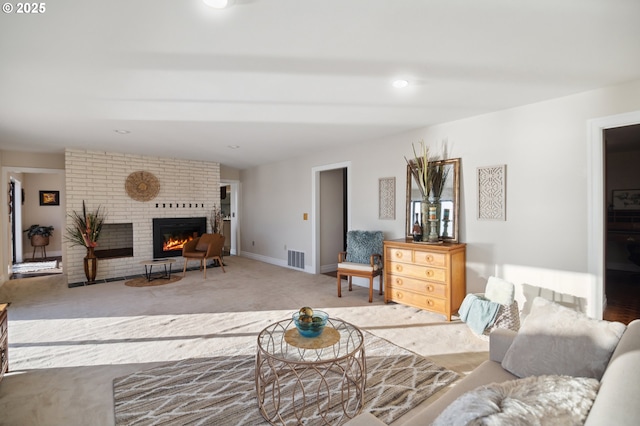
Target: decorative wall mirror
<point>450,199</point>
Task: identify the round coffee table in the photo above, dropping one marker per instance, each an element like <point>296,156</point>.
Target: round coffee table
<point>299,378</point>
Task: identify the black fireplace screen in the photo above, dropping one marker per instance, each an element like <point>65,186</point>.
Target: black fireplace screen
<point>170,234</point>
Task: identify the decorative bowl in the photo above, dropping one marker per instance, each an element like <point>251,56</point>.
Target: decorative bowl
<point>310,326</point>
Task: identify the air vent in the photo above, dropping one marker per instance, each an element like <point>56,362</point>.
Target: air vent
<point>296,259</point>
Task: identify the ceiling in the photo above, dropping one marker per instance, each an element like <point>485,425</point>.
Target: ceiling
<point>284,78</point>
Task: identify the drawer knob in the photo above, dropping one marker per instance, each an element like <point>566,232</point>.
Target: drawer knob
<point>399,281</point>
<point>430,273</point>
<point>399,268</point>
<point>398,254</point>
<point>429,302</point>
<point>429,258</point>
<point>398,295</point>
<point>430,288</point>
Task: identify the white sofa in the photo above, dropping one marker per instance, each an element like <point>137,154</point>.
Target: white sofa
<point>616,402</point>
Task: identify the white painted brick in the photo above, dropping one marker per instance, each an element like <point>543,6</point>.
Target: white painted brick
<point>98,178</point>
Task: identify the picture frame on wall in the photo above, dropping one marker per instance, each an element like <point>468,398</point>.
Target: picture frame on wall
<point>626,199</point>
<point>492,192</point>
<point>49,198</point>
<point>387,198</point>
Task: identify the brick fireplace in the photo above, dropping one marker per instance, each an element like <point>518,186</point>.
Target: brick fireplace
<point>188,189</point>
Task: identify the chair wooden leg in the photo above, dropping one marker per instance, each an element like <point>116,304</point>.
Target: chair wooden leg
<point>339,285</point>
<point>204,263</point>
<point>380,284</point>
<point>370,289</point>
<point>184,271</point>
<point>350,288</point>
<point>219,259</point>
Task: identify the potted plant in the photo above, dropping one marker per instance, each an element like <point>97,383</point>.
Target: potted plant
<point>39,235</point>
<point>85,231</point>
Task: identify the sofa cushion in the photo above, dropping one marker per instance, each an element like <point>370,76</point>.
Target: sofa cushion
<point>549,400</point>
<point>485,373</point>
<point>617,401</point>
<point>557,340</point>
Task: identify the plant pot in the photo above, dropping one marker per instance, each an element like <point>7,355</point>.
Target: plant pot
<point>39,240</point>
<point>90,265</point>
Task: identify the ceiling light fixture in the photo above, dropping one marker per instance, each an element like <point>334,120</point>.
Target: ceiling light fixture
<point>122,132</point>
<point>233,146</point>
<point>400,84</point>
<point>218,4</point>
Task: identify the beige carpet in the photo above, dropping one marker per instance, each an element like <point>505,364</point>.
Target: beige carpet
<point>222,391</point>
<point>66,346</point>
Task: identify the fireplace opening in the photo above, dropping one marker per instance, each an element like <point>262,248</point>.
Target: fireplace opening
<point>170,234</point>
<point>116,240</point>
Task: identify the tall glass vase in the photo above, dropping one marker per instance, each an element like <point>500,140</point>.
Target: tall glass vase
<point>424,211</point>
<point>434,219</point>
<point>90,265</point>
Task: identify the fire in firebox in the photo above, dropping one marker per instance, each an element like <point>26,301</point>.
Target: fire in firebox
<point>173,243</point>
<point>171,234</point>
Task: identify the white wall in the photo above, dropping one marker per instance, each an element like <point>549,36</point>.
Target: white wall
<point>542,246</point>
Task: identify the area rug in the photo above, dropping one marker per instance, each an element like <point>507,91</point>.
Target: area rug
<point>23,268</point>
<point>221,390</point>
<point>144,282</point>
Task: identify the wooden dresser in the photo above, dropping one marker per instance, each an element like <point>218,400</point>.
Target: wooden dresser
<point>425,276</point>
<point>4,340</point>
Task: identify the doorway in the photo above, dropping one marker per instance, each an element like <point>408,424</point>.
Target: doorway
<point>622,242</point>
<point>229,196</point>
<point>21,208</point>
<point>336,220</point>
<point>333,213</point>
<point>597,208</point>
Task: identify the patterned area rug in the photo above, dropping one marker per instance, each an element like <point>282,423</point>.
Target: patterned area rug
<point>22,268</point>
<point>221,390</point>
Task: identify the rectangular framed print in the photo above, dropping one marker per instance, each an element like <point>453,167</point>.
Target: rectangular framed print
<point>49,198</point>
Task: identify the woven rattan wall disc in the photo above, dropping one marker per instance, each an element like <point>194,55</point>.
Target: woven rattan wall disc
<point>142,186</point>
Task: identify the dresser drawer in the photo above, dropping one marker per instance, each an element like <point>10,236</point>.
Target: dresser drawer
<point>430,259</point>
<point>416,271</point>
<point>419,301</point>
<point>400,255</point>
<point>419,286</point>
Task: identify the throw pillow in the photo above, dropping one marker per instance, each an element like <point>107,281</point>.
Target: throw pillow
<point>362,244</point>
<point>548,400</point>
<point>554,339</point>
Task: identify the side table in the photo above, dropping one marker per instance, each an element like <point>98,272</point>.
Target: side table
<point>299,379</point>
<point>149,264</point>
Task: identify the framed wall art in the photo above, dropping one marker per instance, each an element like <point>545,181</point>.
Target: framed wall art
<point>387,198</point>
<point>492,185</point>
<point>49,198</point>
<point>626,199</point>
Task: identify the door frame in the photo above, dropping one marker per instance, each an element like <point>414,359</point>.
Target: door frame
<point>5,253</point>
<point>315,208</point>
<point>596,205</point>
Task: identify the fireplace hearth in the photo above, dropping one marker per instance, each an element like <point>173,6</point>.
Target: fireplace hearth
<point>170,234</point>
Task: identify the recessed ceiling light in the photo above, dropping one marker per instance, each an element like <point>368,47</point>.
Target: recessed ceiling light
<point>218,4</point>
<point>233,146</point>
<point>400,84</point>
<point>122,132</point>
